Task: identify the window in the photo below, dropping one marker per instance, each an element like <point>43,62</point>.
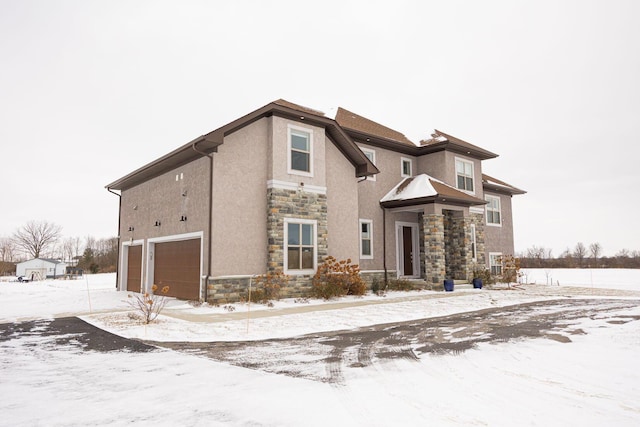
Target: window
<point>495,263</point>
<point>300,151</point>
<point>371,155</point>
<point>366,240</point>
<point>493,211</point>
<point>300,253</point>
<point>406,167</point>
<point>464,175</point>
<point>474,248</point>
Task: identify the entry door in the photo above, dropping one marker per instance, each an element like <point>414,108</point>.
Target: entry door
<point>407,249</point>
<point>408,261</point>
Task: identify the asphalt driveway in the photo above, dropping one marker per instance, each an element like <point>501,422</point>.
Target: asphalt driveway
<point>325,356</point>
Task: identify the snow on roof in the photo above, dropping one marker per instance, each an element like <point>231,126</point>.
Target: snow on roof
<point>414,187</point>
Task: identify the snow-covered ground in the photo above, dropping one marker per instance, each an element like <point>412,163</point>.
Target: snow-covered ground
<point>591,380</point>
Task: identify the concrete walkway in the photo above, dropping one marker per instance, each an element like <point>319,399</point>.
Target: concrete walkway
<point>261,310</point>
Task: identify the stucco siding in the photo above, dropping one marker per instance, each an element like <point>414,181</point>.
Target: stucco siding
<point>239,202</point>
<point>342,206</point>
<point>280,152</point>
<point>369,195</point>
<point>500,238</point>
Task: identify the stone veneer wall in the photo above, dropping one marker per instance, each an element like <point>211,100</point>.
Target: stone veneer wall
<point>281,204</point>
<point>370,276</point>
<point>434,248</point>
<point>478,220</point>
<point>457,237</point>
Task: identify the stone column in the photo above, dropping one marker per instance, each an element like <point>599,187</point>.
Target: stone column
<point>435,269</point>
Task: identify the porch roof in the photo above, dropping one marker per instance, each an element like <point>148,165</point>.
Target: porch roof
<point>423,189</point>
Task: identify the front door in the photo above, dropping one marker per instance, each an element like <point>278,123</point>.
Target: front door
<point>408,250</point>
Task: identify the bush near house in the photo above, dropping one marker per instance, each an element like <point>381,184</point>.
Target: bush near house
<point>149,305</point>
<point>337,278</point>
<point>266,287</point>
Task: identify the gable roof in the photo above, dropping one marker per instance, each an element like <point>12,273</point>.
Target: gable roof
<point>422,189</point>
<point>368,128</point>
<point>442,141</point>
<point>209,143</point>
<point>494,184</point>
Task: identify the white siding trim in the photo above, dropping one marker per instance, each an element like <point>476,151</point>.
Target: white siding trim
<point>295,186</point>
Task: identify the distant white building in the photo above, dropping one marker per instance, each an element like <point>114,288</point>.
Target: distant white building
<point>41,268</point>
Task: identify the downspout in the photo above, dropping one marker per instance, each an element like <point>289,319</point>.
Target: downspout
<point>119,219</point>
<point>209,232</point>
<point>384,246</point>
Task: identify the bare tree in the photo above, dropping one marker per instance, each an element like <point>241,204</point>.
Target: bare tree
<point>580,252</point>
<point>71,248</point>
<point>596,250</point>
<point>37,236</point>
<point>7,250</point>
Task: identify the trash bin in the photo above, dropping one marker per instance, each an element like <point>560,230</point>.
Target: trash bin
<point>477,283</point>
<point>448,285</point>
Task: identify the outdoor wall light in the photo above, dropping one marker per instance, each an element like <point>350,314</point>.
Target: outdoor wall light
<point>157,224</point>
<point>130,228</point>
<point>183,218</point>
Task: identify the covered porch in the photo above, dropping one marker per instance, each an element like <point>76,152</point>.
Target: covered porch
<point>445,237</point>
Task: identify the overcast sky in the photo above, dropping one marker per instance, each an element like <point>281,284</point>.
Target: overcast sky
<point>92,90</point>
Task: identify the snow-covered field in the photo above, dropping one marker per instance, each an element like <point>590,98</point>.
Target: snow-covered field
<point>592,380</point>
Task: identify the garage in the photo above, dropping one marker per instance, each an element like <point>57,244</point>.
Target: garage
<point>177,265</point>
<point>134,268</point>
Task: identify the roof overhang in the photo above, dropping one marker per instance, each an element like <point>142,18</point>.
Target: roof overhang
<point>209,143</point>
<point>424,189</point>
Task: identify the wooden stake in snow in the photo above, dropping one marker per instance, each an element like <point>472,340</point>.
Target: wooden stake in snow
<point>86,279</point>
<point>249,304</point>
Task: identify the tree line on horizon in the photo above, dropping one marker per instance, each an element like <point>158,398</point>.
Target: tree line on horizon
<point>43,239</point>
<point>581,256</point>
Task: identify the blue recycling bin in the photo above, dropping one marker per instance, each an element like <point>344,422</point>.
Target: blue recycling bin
<point>477,283</point>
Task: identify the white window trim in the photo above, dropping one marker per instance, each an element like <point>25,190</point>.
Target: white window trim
<point>491,256</point>
<point>373,160</point>
<point>474,243</point>
<point>290,170</point>
<point>473,174</point>
<point>313,222</point>
<point>370,223</point>
<point>486,216</point>
<point>402,160</point>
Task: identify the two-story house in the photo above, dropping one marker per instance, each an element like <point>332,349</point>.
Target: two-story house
<point>285,186</point>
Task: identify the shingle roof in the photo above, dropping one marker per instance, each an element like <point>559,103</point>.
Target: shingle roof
<point>300,108</point>
<point>209,143</point>
<point>490,183</point>
<point>422,189</point>
<point>440,139</point>
<point>353,121</point>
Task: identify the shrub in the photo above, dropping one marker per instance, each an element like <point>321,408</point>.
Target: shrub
<point>484,274</point>
<point>337,278</point>
<point>266,287</point>
<point>401,285</point>
<point>149,305</point>
<point>510,268</point>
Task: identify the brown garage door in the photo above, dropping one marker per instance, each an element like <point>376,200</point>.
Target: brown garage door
<point>177,265</point>
<point>134,268</point>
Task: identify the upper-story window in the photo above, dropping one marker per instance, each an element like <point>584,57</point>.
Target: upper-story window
<point>464,175</point>
<point>493,210</point>
<point>371,155</point>
<point>406,167</point>
<point>300,151</point>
